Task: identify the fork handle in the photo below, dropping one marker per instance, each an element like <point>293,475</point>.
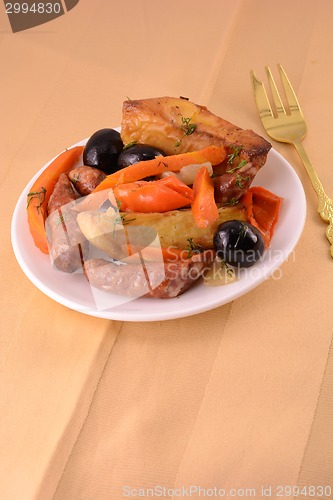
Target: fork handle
<point>317,185</point>
<point>325,207</point>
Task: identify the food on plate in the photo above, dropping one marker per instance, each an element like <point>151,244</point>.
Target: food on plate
<point>176,229</point>
<point>238,243</point>
<point>235,182</point>
<point>204,208</point>
<point>167,201</point>
<point>86,179</point>
<point>177,125</point>
<point>66,243</point>
<point>219,273</point>
<point>160,196</point>
<point>263,210</point>
<point>151,280</point>
<point>158,166</point>
<point>133,153</point>
<point>103,149</point>
<point>62,194</point>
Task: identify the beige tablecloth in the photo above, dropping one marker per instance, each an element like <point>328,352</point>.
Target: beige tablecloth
<point>235,398</point>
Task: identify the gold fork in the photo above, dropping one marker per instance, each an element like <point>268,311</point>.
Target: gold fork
<point>288,125</point>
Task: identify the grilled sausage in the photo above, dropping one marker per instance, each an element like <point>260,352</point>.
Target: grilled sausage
<point>154,280</point>
<point>85,179</point>
<point>63,193</point>
<point>66,242</point>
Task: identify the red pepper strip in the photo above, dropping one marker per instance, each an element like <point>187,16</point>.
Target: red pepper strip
<point>41,191</point>
<point>204,209</point>
<point>156,196</point>
<point>263,210</point>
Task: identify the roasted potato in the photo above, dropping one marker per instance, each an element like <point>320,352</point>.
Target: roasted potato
<point>111,232</point>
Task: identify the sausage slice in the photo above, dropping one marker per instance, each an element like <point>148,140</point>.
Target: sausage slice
<point>153,280</point>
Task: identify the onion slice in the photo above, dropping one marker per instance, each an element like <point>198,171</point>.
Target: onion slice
<point>188,174</point>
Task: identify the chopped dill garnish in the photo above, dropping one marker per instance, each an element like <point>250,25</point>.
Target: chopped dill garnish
<point>225,266</point>
<point>60,220</point>
<point>233,201</point>
<point>234,154</point>
<point>241,179</point>
<point>126,221</point>
<point>193,247</point>
<point>186,127</point>
<point>130,144</point>
<point>118,204</point>
<point>240,165</point>
<point>39,195</point>
<point>121,218</point>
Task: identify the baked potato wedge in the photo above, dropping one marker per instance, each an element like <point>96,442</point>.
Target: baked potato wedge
<point>111,233</point>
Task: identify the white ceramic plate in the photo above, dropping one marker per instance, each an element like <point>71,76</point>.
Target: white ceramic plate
<point>73,291</point>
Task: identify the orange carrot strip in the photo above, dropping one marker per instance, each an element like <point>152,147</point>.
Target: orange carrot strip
<point>204,209</point>
<point>263,210</point>
<point>41,191</point>
<point>158,165</point>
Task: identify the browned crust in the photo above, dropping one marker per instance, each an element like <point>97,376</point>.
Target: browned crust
<point>146,116</point>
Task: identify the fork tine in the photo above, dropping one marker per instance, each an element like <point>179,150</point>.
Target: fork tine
<point>275,93</point>
<point>289,91</point>
<point>261,98</point>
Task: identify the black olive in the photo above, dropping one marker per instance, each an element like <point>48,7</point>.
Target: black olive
<point>238,243</point>
<point>102,150</point>
<point>138,152</point>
